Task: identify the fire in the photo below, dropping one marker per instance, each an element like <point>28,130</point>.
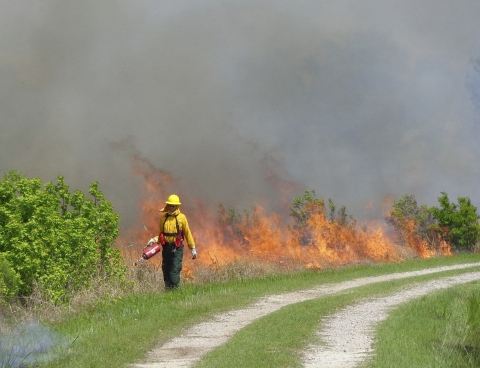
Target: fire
<point>224,236</point>
<point>418,244</point>
<point>421,246</point>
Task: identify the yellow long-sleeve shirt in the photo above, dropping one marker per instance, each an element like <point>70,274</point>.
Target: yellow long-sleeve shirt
<point>169,226</point>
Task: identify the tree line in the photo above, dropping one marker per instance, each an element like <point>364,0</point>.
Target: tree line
<point>455,223</point>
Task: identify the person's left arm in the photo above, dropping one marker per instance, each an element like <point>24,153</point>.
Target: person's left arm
<point>189,237</point>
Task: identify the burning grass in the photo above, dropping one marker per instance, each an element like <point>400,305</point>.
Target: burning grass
<point>308,235</point>
<point>251,245</point>
<point>235,245</point>
<point>267,244</point>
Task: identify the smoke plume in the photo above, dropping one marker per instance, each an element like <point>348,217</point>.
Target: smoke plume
<point>243,102</point>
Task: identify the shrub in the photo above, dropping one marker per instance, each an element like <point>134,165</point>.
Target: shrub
<point>9,280</point>
<point>457,223</point>
<point>407,217</point>
<point>304,207</point>
<point>57,239</point>
<point>307,207</point>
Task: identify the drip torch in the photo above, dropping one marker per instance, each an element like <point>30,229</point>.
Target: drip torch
<point>148,252</point>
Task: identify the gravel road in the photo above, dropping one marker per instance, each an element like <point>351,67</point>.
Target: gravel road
<point>352,324</point>
<point>349,334</point>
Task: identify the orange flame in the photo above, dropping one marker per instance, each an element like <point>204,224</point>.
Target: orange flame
<point>418,244</point>
<point>225,236</point>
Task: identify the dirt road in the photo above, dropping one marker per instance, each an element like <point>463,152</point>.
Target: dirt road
<point>349,333</point>
<point>185,350</point>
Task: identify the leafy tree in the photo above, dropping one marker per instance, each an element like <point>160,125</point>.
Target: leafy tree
<point>308,205</point>
<point>9,280</point>
<point>339,216</point>
<point>304,207</point>
<point>406,216</point>
<point>458,223</point>
<point>56,239</point>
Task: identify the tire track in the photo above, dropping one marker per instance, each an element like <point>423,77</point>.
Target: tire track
<point>349,333</point>
<point>184,351</point>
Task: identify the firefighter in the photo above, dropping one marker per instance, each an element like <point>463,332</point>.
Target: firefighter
<point>173,230</point>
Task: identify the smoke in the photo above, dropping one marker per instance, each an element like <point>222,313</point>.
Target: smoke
<point>237,100</point>
<point>473,84</point>
<point>28,343</point>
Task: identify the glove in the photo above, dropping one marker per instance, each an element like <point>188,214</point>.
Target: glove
<point>151,241</point>
<point>194,253</point>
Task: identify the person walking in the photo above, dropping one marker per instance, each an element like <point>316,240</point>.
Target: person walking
<point>173,229</point>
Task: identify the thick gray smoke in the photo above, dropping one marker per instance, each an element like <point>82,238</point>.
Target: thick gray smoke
<point>355,99</point>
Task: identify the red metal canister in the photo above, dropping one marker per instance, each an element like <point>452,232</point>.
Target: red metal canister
<point>150,251</point>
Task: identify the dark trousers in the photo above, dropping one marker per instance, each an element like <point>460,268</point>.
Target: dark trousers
<point>172,258</point>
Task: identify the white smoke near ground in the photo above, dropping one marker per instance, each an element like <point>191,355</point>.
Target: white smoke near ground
<point>28,344</point>
<point>357,100</point>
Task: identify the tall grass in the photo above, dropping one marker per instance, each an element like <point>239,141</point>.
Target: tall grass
<point>438,330</point>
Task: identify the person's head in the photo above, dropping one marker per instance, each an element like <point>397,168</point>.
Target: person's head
<point>172,203</point>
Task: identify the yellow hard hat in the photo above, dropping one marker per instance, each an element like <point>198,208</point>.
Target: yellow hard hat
<point>173,199</point>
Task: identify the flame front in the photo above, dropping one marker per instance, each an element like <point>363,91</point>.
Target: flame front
<point>223,237</point>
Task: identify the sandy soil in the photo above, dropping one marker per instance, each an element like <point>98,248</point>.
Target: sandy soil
<point>353,326</point>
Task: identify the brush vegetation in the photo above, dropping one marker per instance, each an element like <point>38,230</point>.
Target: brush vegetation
<point>54,240</point>
<point>455,224</point>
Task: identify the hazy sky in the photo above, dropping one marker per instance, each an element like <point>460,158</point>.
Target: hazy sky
<point>357,100</point>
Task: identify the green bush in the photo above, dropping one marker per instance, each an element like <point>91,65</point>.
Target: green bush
<point>9,280</point>
<point>458,223</point>
<point>56,239</point>
<point>407,216</point>
<point>306,206</point>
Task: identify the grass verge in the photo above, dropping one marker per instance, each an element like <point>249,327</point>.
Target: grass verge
<point>278,339</point>
<point>438,330</point>
<point>120,330</point>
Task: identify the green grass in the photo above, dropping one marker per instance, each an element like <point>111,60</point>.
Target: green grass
<point>119,331</point>
<point>438,330</point>
<point>277,339</point>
